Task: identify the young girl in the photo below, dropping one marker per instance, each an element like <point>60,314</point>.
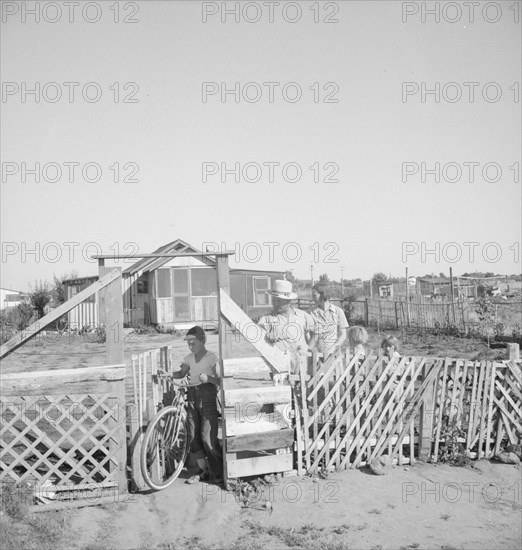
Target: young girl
<point>357,337</point>
<point>390,350</point>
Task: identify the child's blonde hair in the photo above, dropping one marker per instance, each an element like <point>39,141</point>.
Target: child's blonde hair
<point>357,335</point>
<point>390,341</point>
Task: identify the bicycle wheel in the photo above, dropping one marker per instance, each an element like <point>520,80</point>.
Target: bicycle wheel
<point>165,448</point>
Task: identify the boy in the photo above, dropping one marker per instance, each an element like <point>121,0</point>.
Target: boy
<point>202,413</point>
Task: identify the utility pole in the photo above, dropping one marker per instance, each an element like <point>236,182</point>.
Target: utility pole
<point>312,273</point>
<point>342,282</point>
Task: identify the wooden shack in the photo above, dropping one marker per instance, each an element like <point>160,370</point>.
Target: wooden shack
<point>177,292</point>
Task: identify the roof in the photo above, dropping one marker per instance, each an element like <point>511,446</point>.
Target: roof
<point>150,264</point>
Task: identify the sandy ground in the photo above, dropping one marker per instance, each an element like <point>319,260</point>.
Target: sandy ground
<point>425,506</point>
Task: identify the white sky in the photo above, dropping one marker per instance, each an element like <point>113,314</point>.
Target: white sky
<point>170,132</point>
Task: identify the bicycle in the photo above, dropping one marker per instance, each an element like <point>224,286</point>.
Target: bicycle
<point>165,444</point>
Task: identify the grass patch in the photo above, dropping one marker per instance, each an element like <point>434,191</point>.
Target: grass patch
<point>42,531</point>
<point>307,537</point>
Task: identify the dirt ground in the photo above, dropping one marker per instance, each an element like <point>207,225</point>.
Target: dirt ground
<point>422,506</point>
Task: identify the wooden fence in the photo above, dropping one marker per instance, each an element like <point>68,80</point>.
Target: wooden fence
<point>406,408</point>
<point>423,314</point>
<point>64,431</point>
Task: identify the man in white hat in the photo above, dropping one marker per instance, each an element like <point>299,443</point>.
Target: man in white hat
<point>288,328</point>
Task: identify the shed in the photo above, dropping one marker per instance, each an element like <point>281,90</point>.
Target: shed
<point>177,292</point>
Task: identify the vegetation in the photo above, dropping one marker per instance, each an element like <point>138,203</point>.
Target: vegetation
<point>21,529</point>
<point>39,297</point>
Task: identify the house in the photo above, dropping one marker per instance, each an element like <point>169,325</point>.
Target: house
<point>11,298</point>
<point>177,292</point>
<point>441,286</point>
<point>388,289</point>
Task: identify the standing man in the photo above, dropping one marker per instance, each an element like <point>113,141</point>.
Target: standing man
<point>330,322</point>
<point>287,327</point>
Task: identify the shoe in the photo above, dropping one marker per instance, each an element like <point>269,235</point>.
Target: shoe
<point>202,476</point>
<point>192,479</point>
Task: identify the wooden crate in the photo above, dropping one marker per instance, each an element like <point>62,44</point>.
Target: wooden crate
<point>258,420</point>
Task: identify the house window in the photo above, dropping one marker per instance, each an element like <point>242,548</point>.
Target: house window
<point>385,291</point>
<point>181,281</point>
<point>203,282</point>
<point>143,286</point>
<point>163,282</point>
<point>261,285</point>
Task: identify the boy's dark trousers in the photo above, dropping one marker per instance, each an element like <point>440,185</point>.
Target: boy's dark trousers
<point>202,418</point>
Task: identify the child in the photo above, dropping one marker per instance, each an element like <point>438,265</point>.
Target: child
<point>357,337</point>
<point>202,413</point>
<point>389,346</point>
<point>390,349</point>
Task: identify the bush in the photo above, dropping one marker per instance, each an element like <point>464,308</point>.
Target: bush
<point>93,334</point>
<point>15,319</point>
<point>40,297</point>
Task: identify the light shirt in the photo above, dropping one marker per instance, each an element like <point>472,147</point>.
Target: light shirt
<point>328,323</point>
<point>206,365</point>
<point>289,332</point>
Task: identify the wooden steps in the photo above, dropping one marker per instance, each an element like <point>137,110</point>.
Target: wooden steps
<point>257,427</point>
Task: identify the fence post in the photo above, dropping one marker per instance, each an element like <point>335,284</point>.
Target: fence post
<point>396,315</point>
<point>366,312</point>
<point>513,352</point>
<point>426,418</point>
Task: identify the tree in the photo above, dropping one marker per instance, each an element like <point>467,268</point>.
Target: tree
<point>289,276</point>
<point>40,297</point>
<point>58,290</point>
<point>324,278</point>
<point>441,275</point>
<point>379,277</point>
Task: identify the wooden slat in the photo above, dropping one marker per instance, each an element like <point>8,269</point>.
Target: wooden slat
<point>245,366</point>
<point>472,409</point>
<point>261,441</point>
<point>60,381</point>
<point>260,423</point>
<point>489,424</point>
<point>259,465</point>
<point>258,396</point>
<point>484,403</point>
<point>240,320</point>
<point>32,330</point>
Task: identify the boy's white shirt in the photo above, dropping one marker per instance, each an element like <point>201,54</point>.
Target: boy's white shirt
<point>207,365</point>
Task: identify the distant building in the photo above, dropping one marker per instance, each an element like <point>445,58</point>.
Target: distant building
<point>441,286</point>
<point>388,289</point>
<point>11,298</point>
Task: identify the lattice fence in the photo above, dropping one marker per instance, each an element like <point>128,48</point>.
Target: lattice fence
<point>55,437</point>
<point>407,407</point>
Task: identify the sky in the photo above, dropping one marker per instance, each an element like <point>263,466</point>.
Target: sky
<point>351,164</point>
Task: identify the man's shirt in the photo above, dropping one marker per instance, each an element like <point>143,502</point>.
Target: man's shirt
<point>328,324</point>
<point>289,331</point>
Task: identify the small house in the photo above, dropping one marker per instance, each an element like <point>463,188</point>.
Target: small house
<point>11,298</point>
<point>177,292</point>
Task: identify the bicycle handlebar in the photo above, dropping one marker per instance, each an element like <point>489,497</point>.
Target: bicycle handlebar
<point>182,381</point>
